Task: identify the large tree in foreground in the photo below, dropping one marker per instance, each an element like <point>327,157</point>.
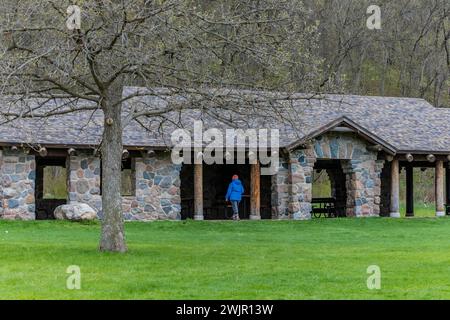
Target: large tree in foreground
<point>185,46</point>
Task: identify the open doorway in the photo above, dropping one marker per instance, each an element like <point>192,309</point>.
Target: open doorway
<point>51,186</point>
<point>329,193</point>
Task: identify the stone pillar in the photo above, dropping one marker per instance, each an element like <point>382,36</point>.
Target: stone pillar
<point>198,192</point>
<point>301,166</point>
<point>280,191</point>
<point>409,191</point>
<point>157,189</point>
<point>18,175</point>
<point>395,189</point>
<point>354,188</point>
<point>255,191</point>
<point>363,186</point>
<point>439,188</point>
<point>84,180</point>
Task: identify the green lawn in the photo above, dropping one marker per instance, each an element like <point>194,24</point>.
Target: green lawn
<point>318,259</point>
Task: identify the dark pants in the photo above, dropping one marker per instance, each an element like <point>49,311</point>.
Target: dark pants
<point>235,206</point>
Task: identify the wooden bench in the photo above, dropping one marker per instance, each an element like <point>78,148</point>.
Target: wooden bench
<point>323,206</point>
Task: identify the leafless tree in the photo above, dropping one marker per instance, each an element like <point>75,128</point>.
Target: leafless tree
<point>185,46</point>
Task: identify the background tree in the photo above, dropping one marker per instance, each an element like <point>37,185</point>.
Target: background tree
<point>409,56</point>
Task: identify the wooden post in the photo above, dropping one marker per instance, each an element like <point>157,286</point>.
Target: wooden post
<point>255,195</point>
<point>447,183</point>
<point>409,191</point>
<point>439,188</point>
<point>198,192</point>
<point>395,189</point>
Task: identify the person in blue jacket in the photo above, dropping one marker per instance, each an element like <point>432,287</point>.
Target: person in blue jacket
<point>234,195</point>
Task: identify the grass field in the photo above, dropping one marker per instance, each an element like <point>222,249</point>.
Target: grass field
<point>318,259</point>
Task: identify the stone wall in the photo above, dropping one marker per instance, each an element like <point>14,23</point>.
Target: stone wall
<point>157,190</point>
<point>17,179</point>
<point>84,180</point>
<point>361,168</point>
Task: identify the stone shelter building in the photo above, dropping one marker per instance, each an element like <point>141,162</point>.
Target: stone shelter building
<point>362,143</point>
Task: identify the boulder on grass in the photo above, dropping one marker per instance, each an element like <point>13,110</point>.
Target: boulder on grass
<point>75,212</point>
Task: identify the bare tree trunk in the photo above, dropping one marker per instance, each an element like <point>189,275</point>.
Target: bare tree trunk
<point>383,72</point>
<point>113,235</point>
<point>357,76</point>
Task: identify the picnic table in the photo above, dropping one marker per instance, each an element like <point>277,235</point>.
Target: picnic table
<point>324,206</point>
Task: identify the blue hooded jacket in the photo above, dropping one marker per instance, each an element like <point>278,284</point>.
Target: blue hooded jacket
<point>235,191</point>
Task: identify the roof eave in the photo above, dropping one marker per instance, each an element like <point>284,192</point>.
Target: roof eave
<point>367,135</point>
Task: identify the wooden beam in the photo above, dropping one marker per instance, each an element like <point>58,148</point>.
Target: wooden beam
<point>409,191</point>
<point>255,194</point>
<point>198,192</point>
<point>395,189</point>
<point>439,188</point>
<point>342,129</point>
<point>428,158</point>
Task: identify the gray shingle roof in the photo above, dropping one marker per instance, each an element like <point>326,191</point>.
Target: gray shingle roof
<point>406,124</point>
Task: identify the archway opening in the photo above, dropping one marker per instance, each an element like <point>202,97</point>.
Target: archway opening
<point>329,191</point>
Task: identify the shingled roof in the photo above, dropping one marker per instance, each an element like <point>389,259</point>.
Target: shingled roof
<point>401,124</point>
